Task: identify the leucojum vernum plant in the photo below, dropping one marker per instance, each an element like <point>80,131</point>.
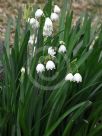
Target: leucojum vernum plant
<point>52,76</point>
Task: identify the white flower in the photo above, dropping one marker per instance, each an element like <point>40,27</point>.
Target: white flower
<point>40,68</point>
<point>57,9</point>
<point>54,17</point>
<point>48,22</point>
<point>50,65</point>
<point>69,77</point>
<point>48,27</point>
<point>62,49</point>
<point>51,51</point>
<point>22,70</point>
<point>77,78</point>
<point>38,13</point>
<point>33,22</point>
<point>31,40</point>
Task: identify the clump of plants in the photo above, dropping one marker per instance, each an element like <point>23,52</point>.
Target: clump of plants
<point>52,76</point>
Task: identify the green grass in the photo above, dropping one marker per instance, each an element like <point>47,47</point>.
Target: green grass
<point>33,106</point>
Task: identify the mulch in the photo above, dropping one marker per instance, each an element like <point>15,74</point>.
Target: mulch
<point>9,8</point>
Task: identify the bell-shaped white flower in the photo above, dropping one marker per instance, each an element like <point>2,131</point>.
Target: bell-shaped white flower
<point>51,52</point>
<point>62,49</point>
<point>54,17</point>
<point>40,68</point>
<point>57,9</point>
<point>38,13</point>
<point>22,70</point>
<point>33,22</point>
<point>48,23</point>
<point>77,78</point>
<point>69,77</point>
<point>48,27</point>
<point>50,65</point>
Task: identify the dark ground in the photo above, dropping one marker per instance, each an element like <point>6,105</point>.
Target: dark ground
<point>9,8</point>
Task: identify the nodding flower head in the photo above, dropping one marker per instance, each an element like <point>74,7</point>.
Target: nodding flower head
<point>48,22</point>
<point>62,49</point>
<point>33,22</point>
<point>40,68</point>
<point>50,65</point>
<point>69,77</point>
<point>77,78</point>
<point>48,27</point>
<point>51,52</point>
<point>57,9</point>
<point>38,13</point>
<point>54,17</point>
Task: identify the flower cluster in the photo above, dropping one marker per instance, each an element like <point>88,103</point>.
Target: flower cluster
<point>34,23</point>
<point>48,26</point>
<point>55,14</point>
<point>75,78</point>
<point>50,65</point>
<point>47,31</point>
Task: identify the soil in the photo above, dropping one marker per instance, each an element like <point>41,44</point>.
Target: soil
<point>9,8</point>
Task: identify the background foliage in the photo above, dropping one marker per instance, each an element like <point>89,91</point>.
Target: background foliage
<point>31,106</point>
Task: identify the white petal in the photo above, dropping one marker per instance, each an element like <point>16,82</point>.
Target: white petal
<point>38,13</point>
<point>62,49</point>
<point>51,51</point>
<point>54,17</point>
<point>50,65</point>
<point>48,22</point>
<point>77,78</point>
<point>40,68</point>
<point>56,9</point>
<point>69,77</point>
<point>34,23</point>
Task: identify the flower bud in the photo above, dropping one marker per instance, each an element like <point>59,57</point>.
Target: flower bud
<point>22,70</point>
